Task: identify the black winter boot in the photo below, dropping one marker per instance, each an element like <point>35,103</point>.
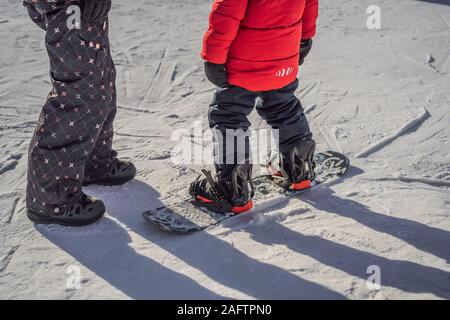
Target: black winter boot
<point>225,195</point>
<point>82,212</point>
<point>294,170</point>
<point>120,173</point>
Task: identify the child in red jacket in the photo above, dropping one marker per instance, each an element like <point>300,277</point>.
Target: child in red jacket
<point>252,51</point>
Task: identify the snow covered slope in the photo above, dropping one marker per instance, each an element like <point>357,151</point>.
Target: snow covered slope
<point>380,96</point>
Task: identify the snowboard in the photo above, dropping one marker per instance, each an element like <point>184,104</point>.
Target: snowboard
<point>183,217</point>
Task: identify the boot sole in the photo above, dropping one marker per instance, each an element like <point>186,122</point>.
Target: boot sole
<point>40,219</point>
<point>214,207</point>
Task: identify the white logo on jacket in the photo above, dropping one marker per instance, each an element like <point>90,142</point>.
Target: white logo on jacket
<point>284,72</point>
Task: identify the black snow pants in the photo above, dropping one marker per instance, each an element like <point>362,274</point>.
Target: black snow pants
<point>73,138</point>
<point>229,111</point>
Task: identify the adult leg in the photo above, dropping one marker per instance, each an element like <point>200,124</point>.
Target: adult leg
<point>75,110</point>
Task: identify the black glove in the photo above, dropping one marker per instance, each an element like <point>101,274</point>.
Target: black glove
<point>305,47</point>
<point>95,10</point>
<point>216,74</point>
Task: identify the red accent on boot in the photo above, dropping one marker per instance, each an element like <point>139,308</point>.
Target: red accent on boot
<point>245,208</point>
<point>305,184</point>
<point>273,171</point>
<point>203,199</point>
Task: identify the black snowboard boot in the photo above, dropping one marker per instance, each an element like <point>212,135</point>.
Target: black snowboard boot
<point>83,212</point>
<point>294,170</point>
<point>120,173</point>
<point>225,195</point>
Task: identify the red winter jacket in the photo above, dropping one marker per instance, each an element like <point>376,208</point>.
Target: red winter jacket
<point>259,40</point>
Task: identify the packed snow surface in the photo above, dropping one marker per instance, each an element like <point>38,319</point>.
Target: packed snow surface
<point>380,96</point>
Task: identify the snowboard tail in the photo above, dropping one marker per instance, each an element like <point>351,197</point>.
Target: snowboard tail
<point>183,216</point>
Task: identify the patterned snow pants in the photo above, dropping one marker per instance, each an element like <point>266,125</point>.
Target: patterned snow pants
<point>73,138</point>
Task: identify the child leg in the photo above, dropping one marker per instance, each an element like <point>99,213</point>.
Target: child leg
<point>228,120</point>
<point>231,190</point>
<point>284,113</point>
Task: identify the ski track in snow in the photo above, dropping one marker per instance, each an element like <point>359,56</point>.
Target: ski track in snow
<point>429,181</point>
<point>12,210</point>
<point>6,258</point>
<point>405,129</point>
<point>155,77</point>
<point>10,163</point>
<point>388,211</point>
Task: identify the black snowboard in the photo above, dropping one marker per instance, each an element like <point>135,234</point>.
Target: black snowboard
<point>183,217</point>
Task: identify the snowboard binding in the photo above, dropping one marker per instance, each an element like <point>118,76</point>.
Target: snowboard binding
<point>294,170</point>
<point>233,195</point>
